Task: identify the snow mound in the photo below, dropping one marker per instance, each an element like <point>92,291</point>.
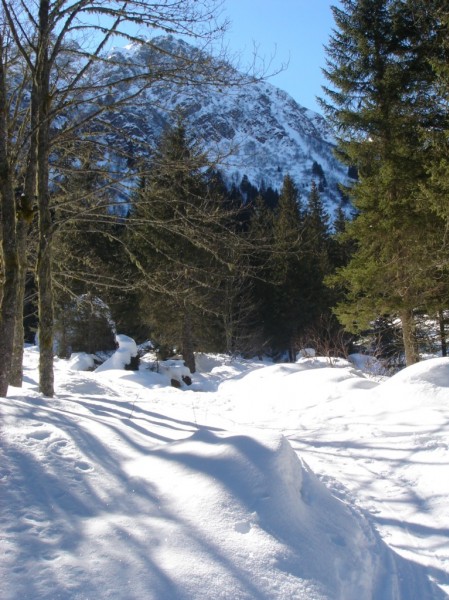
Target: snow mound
<point>261,524</point>
<point>206,362</point>
<point>121,357</point>
<point>422,385</point>
<point>174,369</point>
<point>81,361</point>
<point>291,379</point>
<point>434,371</point>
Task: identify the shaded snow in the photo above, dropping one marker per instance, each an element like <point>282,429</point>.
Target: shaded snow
<point>307,480</point>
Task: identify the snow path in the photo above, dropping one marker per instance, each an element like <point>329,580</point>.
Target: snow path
<point>123,487</point>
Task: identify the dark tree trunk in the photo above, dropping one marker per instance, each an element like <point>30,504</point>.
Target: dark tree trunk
<point>44,271</point>
<point>187,344</point>
<point>442,333</point>
<point>10,282</point>
<point>409,337</point>
<point>9,257</point>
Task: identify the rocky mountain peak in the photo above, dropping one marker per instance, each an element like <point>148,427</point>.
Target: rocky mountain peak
<point>253,129</point>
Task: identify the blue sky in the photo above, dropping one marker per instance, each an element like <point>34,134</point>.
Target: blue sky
<point>295,30</point>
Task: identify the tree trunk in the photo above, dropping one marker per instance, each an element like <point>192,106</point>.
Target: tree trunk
<point>187,344</point>
<point>16,375</point>
<point>44,279</point>
<point>10,283</point>
<point>8,306</point>
<point>26,214</point>
<point>44,262</point>
<point>409,337</point>
<point>442,333</point>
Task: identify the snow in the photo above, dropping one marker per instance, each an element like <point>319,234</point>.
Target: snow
<point>312,481</point>
<point>127,349</point>
<point>81,361</point>
<point>256,130</point>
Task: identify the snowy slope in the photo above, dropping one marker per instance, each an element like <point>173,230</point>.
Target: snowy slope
<point>260,482</point>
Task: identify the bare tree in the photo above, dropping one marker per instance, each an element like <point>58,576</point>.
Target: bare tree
<point>10,260</point>
<point>62,45</point>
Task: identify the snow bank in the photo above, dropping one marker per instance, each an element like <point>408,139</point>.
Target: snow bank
<point>423,386</point>
<point>247,501</point>
<point>121,357</point>
<point>434,372</point>
<point>81,361</point>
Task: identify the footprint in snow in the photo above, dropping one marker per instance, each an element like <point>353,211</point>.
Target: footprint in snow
<point>40,434</point>
<point>242,527</point>
<point>83,466</point>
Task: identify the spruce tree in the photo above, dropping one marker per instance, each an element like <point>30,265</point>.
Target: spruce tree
<point>380,74</point>
<point>277,235</point>
<point>180,242</point>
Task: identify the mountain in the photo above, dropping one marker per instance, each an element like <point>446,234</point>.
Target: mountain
<point>253,129</point>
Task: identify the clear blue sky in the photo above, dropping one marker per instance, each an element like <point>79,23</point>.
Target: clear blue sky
<point>295,30</point>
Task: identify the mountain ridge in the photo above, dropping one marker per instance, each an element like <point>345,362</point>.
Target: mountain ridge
<point>256,129</point>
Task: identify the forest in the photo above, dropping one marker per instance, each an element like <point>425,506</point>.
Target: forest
<point>165,250</point>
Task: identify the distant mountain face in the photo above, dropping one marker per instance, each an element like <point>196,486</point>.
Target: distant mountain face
<point>254,129</point>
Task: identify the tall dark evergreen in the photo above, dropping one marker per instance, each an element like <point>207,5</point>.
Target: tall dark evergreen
<point>317,248</point>
<point>381,76</point>
<point>277,236</point>
<point>181,246</point>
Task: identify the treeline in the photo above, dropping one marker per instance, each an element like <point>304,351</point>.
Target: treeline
<point>203,266</point>
<point>157,237</point>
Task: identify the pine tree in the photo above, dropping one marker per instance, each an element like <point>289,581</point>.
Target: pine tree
<point>277,236</point>
<point>317,265</point>
<point>180,241</point>
<point>379,68</point>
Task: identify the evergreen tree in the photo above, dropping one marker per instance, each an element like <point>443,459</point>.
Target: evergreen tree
<point>435,189</point>
<point>181,244</point>
<point>277,236</point>
<point>379,67</point>
<point>341,247</point>
<point>317,265</point>
<point>289,310</point>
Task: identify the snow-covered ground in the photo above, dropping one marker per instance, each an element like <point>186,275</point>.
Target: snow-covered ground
<point>289,481</point>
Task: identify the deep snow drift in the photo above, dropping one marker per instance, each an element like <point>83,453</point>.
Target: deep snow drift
<point>292,481</point>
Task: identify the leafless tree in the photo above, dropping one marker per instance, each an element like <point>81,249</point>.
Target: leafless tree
<point>62,46</point>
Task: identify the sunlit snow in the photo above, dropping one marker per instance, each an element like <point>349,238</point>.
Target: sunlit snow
<point>309,481</point>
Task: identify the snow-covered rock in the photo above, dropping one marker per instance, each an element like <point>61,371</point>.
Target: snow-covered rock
<point>174,369</point>
<point>127,349</point>
<point>81,361</point>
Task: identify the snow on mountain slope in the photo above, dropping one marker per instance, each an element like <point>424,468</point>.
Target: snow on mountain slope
<point>253,129</point>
